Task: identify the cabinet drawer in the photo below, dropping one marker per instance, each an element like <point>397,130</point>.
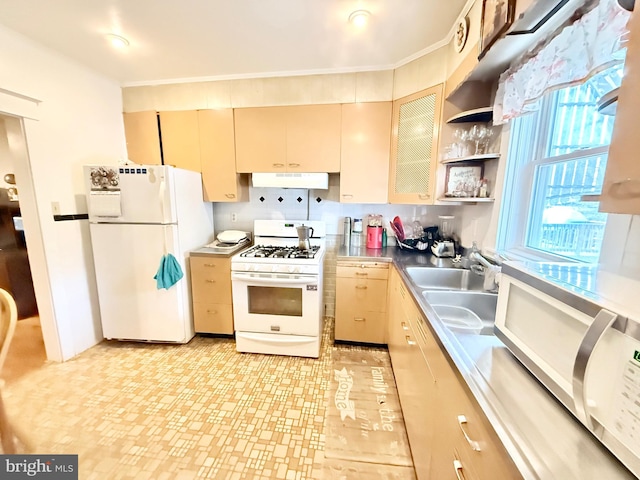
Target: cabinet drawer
<point>357,326</point>
<point>364,270</point>
<point>210,280</point>
<point>209,264</point>
<point>364,294</point>
<point>213,318</point>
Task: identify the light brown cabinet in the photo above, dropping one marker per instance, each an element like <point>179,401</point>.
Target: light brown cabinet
<point>211,294</point>
<point>180,139</point>
<point>143,140</point>
<point>414,147</point>
<point>304,138</point>
<point>414,380</point>
<point>361,302</point>
<point>220,181</point>
<point>621,187</point>
<point>365,150</point>
<point>449,435</point>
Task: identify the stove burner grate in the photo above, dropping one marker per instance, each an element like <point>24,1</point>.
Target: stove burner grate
<point>269,251</point>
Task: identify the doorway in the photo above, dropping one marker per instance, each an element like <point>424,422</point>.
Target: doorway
<point>27,350</point>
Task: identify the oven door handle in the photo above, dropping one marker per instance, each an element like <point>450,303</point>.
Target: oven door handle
<point>268,279</point>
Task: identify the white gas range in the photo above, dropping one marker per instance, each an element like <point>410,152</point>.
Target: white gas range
<point>277,290</point>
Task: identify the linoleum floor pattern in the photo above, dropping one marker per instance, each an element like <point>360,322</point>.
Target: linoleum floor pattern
<point>201,410</point>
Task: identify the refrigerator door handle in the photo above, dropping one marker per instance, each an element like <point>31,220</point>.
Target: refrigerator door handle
<point>601,323</point>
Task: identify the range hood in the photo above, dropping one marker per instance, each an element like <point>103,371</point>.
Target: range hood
<point>319,181</point>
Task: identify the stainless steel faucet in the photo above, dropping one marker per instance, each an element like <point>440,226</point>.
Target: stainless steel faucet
<point>490,272</point>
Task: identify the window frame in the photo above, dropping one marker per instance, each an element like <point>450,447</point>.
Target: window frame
<point>528,142</point>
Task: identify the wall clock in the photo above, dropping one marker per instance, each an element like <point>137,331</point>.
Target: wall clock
<point>462,31</point>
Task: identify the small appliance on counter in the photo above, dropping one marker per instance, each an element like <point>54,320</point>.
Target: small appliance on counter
<point>374,231</point>
<point>445,245</point>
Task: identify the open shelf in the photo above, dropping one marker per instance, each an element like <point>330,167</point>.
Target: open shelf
<point>472,158</point>
<point>466,200</point>
<point>484,114</point>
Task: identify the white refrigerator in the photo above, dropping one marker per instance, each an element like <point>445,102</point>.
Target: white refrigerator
<point>137,215</point>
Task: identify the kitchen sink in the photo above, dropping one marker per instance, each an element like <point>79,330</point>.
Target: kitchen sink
<point>464,311</point>
<point>444,278</point>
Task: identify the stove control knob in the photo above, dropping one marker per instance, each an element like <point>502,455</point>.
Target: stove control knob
<point>292,269</point>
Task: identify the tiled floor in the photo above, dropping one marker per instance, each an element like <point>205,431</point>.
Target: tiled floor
<point>202,410</point>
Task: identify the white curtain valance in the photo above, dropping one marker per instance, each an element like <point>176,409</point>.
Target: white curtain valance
<point>577,52</point>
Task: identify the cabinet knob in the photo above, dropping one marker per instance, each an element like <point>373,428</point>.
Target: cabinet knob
<point>404,326</point>
<point>348,195</point>
<point>230,195</point>
<point>409,341</point>
<point>209,264</point>
<point>210,281</point>
<point>212,312</point>
<point>362,274</point>
<point>360,319</point>
<point>278,165</point>
<point>294,165</point>
<point>361,287</point>
<point>424,196</point>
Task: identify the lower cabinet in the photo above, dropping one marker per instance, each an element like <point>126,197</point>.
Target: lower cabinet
<point>449,435</point>
<point>211,294</point>
<point>361,302</point>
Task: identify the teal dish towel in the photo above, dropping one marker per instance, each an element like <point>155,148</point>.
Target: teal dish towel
<point>169,272</point>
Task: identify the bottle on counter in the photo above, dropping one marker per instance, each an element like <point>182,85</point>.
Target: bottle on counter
<point>346,232</point>
<point>384,238</point>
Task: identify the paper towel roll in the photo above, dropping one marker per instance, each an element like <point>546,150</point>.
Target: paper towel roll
<point>105,203</point>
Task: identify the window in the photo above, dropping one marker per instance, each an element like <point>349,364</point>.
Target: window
<point>557,156</point>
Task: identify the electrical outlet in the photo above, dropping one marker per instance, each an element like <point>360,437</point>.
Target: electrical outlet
<point>55,208</point>
<point>234,217</point>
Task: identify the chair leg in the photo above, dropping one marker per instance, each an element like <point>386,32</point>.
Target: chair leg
<point>6,431</point>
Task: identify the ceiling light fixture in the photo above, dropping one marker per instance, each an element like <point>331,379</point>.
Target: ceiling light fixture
<point>359,18</point>
<point>117,41</point>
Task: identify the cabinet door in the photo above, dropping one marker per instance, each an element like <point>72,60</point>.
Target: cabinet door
<point>313,138</point>
<point>621,187</point>
<point>220,181</point>
<point>366,145</point>
<point>143,138</point>
<point>180,139</point>
<point>261,142</point>
<point>414,147</point>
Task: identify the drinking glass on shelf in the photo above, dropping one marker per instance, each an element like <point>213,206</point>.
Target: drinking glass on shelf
<point>461,147</point>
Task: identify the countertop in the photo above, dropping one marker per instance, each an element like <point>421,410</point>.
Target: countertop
<point>544,440</point>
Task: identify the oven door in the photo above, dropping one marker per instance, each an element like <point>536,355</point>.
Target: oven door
<point>276,303</point>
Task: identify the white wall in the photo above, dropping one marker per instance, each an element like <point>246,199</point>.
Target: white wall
<point>78,121</point>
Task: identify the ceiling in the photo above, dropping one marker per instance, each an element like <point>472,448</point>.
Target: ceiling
<point>217,39</point>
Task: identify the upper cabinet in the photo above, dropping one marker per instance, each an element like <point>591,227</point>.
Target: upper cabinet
<point>621,187</point>
<point>366,145</point>
<point>303,138</point>
<point>414,147</point>
<point>143,141</point>
<point>220,181</point>
<point>180,139</point>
